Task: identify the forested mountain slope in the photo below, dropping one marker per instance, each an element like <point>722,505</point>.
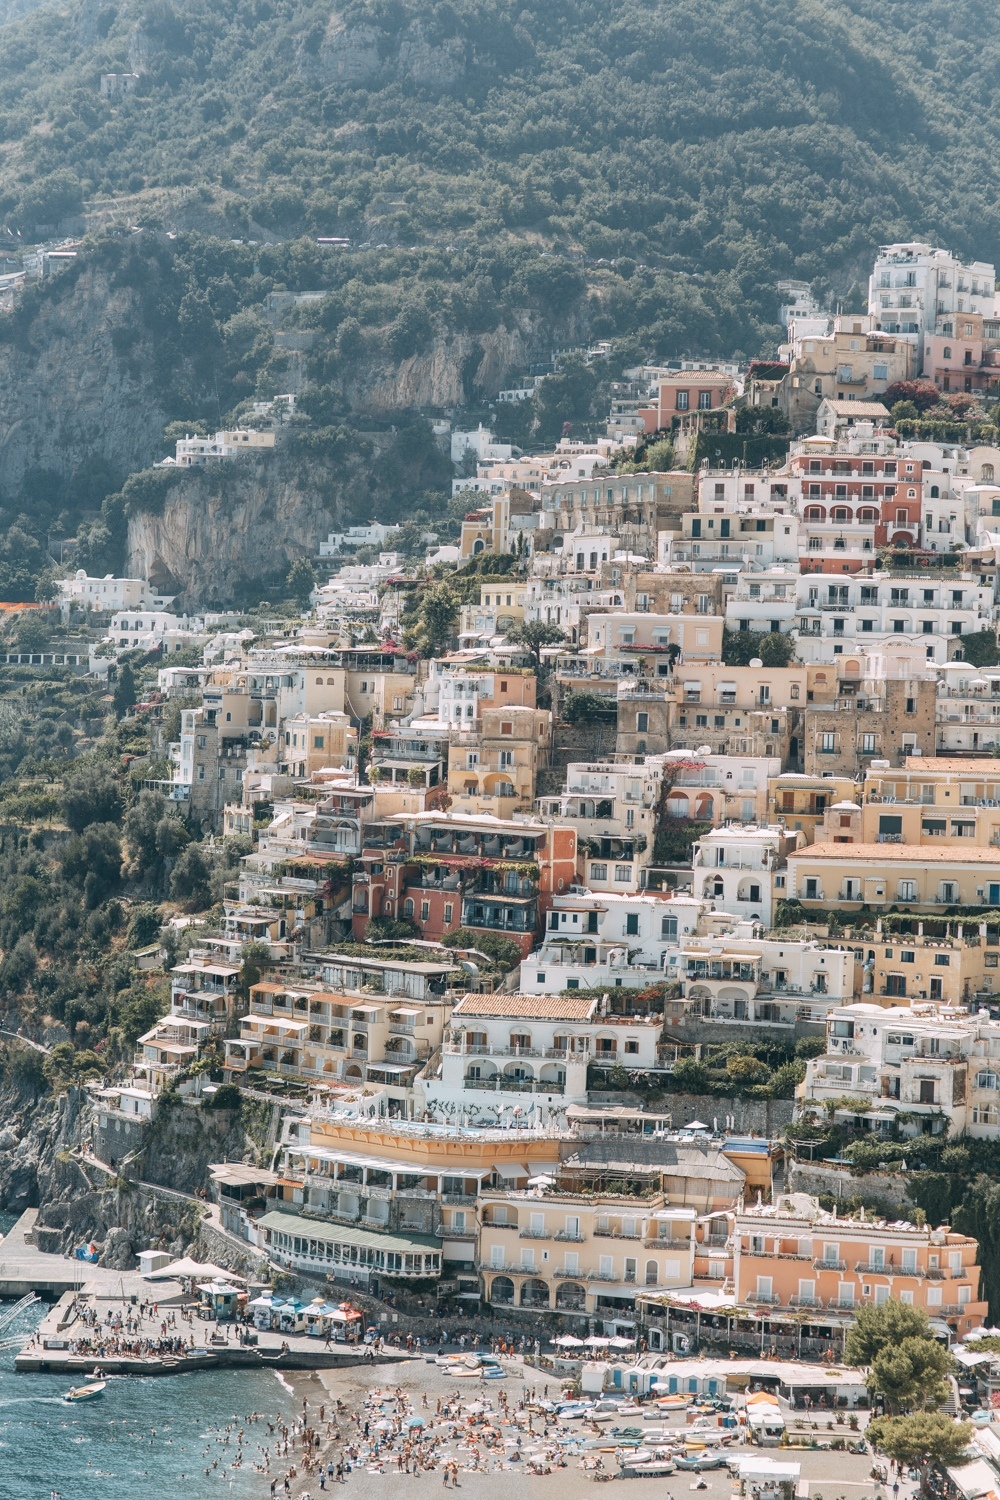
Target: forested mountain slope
<point>735,142</point>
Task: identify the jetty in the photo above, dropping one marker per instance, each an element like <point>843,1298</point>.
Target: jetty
<point>90,1298</point>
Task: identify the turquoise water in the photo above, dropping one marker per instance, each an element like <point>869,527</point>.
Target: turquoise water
<point>143,1438</point>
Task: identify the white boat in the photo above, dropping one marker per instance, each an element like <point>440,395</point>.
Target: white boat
<point>90,1392</point>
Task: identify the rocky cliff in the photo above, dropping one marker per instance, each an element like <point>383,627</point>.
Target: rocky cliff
<point>225,534</point>
<point>78,395</point>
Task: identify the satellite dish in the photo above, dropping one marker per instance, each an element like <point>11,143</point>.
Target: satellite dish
<point>755,661</point>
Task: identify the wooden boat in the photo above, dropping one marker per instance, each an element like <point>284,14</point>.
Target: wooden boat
<point>648,1468</point>
<point>90,1392</point>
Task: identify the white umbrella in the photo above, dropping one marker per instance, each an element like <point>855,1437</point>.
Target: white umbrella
<point>567,1341</point>
<point>695,1125</point>
<point>620,1343</point>
<point>596,1342</point>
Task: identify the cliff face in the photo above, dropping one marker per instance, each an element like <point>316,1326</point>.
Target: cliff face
<point>75,384</point>
<point>454,371</point>
<point>223,534</point>
<point>217,534</point>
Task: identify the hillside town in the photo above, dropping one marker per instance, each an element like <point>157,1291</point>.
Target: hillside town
<point>621,879</point>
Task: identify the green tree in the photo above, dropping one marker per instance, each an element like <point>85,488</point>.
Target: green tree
<point>437,616</point>
<point>786,1078</point>
<point>776,649</point>
<point>980,648</point>
<point>978,1215</point>
<point>912,1374</point>
<point>191,880</point>
<point>921,1439</point>
<point>124,696</point>
<point>93,859</point>
<point>882,1325</point>
<point>301,580</point>
<point>92,795</point>
<point>689,1076</point>
<point>745,1070</point>
<point>533,635</point>
<point>32,632</point>
<point>65,1065</point>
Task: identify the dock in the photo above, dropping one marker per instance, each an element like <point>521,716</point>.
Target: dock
<point>81,1290</point>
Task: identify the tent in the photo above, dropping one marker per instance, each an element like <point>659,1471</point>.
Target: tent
<point>567,1341</point>
<point>182,1269</point>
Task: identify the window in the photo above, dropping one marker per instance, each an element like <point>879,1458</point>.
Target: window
<point>598,872</point>
<point>828,743</point>
<point>907,890</point>
<point>623,873</point>
<point>867,744</point>
<point>683,400</point>
<point>641,723</point>
<point>668,928</point>
<point>506,727</point>
<point>632,924</point>
<point>704,400</point>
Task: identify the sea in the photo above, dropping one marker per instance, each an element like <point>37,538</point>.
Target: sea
<point>144,1439</point>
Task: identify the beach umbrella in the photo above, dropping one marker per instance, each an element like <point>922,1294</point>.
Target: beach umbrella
<point>597,1342</point>
<point>567,1341</point>
<point>620,1343</point>
<point>695,1125</point>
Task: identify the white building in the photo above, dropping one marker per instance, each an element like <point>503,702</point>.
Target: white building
<point>912,285</point>
<point>109,593</point>
<point>524,1058</point>
<point>614,811</point>
<point>482,443</point>
<point>600,941</point>
<point>764,601</point>
<point>867,613</point>
<point>223,446</point>
<point>738,869</point>
<point>916,1061</point>
<point>733,977</point>
<point>375,534</point>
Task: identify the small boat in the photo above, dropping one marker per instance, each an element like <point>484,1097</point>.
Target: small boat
<point>86,1392</point>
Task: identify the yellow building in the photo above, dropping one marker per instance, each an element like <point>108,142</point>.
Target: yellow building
<point>494,771</point>
<point>318,742</point>
<point>952,967</point>
<point>545,1251</point>
<point>923,878</point>
<point>933,802</point>
<point>803,802</point>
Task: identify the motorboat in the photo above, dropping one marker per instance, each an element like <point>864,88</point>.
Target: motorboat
<point>91,1392</point>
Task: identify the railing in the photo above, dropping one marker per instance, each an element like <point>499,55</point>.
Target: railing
<point>616,1234</point>
<point>763,1299</point>
<point>400,1028</point>
<point>829,1265</point>
<point>535,1234</point>
<point>570,1236</point>
<point>459,1200</point>
<point>801,1301</point>
<point>490,1225</point>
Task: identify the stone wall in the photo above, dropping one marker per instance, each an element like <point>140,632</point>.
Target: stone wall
<point>888,1191</point>
<point>758,1116</point>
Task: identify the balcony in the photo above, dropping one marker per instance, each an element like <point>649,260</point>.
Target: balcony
<point>535,1234</point>
<point>763,1299</point>
<point>570,1236</point>
<point>616,1234</point>
<point>829,1265</point>
<point>805,1301</point>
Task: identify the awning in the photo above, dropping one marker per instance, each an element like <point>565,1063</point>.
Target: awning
<point>343,1234</point>
<point>511,1169</point>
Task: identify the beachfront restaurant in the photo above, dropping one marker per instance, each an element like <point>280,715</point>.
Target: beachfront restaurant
<point>345,1252</point>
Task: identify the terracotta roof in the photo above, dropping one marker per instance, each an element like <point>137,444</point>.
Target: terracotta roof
<point>528,1007</point>
<point>898,853</point>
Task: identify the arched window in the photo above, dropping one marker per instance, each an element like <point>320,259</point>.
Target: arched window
<point>986,473</point>
<point>814,513</point>
<point>652,1273</point>
<point>947,351</point>
<point>841,514</point>
<point>935,492</point>
<point>867,513</point>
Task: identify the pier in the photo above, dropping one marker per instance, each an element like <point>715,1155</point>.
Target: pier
<point>82,1288</point>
